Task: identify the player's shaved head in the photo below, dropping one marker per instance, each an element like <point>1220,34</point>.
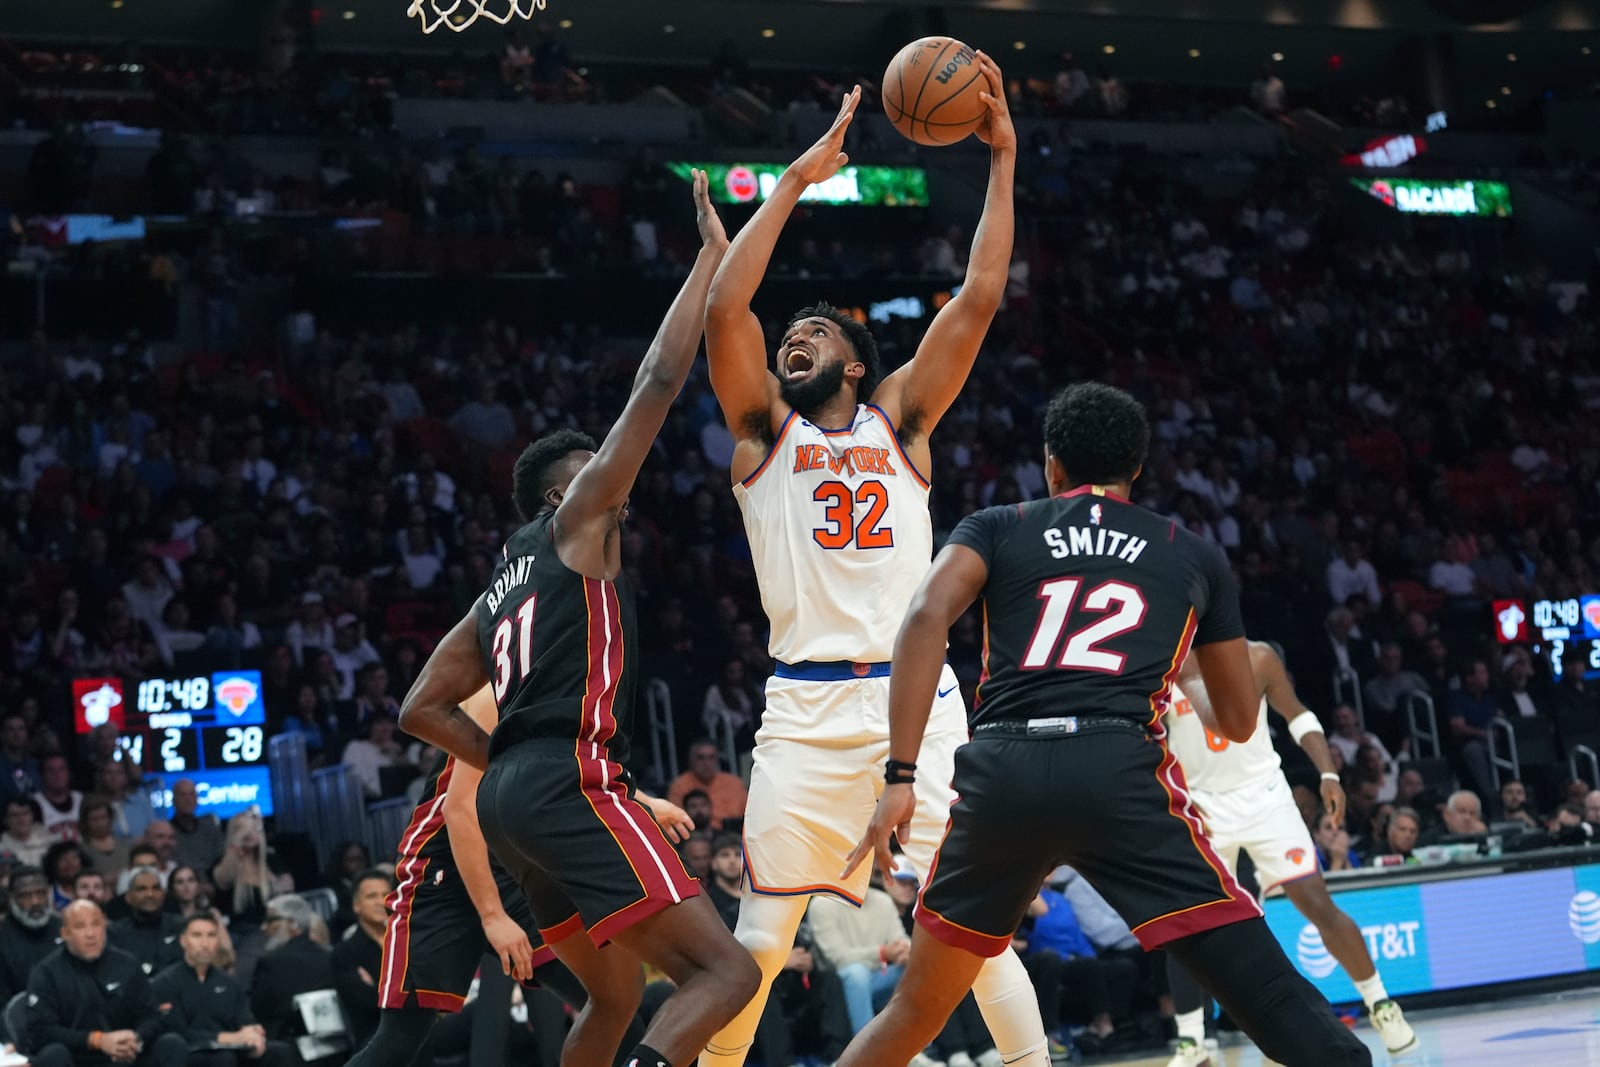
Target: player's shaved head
<point>543,466</point>
<point>1097,433</point>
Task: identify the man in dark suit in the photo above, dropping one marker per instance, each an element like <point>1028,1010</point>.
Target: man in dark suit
<point>293,964</point>
<point>208,1008</point>
<point>33,932</point>
<point>149,934</point>
<point>89,1004</point>
<point>358,959</point>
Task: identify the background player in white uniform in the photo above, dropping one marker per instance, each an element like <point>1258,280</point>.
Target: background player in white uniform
<point>1245,801</point>
<point>830,471</point>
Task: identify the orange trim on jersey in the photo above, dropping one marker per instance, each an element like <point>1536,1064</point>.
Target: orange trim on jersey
<point>983,676</point>
<point>894,435</point>
<point>766,461</point>
<point>426,823</point>
<point>435,1000</point>
<point>957,936</point>
<point>1158,699</point>
<point>562,930</point>
<point>798,891</point>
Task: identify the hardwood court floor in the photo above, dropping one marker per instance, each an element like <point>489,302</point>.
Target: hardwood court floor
<point>1561,1030</point>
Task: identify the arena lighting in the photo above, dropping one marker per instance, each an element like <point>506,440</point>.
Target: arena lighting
<point>751,183</point>
<point>1453,198</point>
<point>1391,150</point>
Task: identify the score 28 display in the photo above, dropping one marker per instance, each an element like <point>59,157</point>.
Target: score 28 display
<point>209,728</point>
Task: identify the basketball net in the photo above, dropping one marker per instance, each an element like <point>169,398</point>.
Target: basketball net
<point>457,15</point>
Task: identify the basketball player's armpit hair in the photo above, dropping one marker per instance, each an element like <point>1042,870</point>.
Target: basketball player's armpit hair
<point>756,425</point>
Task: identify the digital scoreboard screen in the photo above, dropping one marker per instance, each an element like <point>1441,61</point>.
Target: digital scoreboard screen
<point>865,186</point>
<point>208,728</point>
<point>1553,628</point>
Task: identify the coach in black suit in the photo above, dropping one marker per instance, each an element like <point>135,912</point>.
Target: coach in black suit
<point>293,964</point>
<point>208,1009</point>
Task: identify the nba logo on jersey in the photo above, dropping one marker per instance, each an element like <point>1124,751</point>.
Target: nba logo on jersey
<point>1095,513</point>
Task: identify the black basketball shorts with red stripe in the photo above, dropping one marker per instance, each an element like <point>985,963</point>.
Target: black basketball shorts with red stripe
<point>561,817</point>
<point>1112,803</point>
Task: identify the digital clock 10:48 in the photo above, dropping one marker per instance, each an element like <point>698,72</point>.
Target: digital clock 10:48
<point>174,694</point>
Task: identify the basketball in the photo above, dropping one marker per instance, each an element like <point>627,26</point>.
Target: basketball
<point>930,91</point>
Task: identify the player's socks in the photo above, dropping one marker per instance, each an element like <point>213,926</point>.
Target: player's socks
<point>1371,990</point>
<point>1192,1024</point>
<point>645,1056</point>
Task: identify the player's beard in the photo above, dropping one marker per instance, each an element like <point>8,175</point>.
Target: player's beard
<point>813,392</point>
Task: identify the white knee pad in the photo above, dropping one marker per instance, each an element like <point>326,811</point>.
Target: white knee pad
<point>1011,1011</point>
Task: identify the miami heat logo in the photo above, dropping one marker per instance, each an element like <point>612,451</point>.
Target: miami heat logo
<point>1296,856</point>
<point>1095,514</point>
<point>97,705</point>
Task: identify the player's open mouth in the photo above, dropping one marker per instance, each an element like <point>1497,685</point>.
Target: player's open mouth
<point>797,363</point>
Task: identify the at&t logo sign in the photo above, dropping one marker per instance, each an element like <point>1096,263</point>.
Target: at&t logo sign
<point>1583,916</point>
<point>1315,959</point>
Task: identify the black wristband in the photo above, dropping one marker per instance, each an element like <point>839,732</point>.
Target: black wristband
<point>897,772</point>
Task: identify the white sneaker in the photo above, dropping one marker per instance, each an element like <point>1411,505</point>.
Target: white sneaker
<point>991,1058</point>
<point>1190,1053</point>
<point>1390,1022</point>
<point>922,1059</point>
<point>960,1059</point>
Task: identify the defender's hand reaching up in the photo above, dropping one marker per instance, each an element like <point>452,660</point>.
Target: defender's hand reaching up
<point>822,160</point>
<point>712,235</point>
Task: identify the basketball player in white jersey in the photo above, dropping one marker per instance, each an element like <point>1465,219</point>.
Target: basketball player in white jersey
<point>1241,793</point>
<point>830,469</point>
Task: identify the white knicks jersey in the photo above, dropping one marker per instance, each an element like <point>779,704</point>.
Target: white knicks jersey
<point>841,537</point>
<point>1211,763</point>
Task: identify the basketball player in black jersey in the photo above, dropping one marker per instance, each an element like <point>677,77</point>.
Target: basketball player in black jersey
<point>1090,605</point>
<point>451,905</point>
<point>555,637</point>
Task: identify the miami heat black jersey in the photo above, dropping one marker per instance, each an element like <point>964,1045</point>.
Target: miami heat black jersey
<point>425,843</point>
<point>560,648</point>
<point>1090,605</point>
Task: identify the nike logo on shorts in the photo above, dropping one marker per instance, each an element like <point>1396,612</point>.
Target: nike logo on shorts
<point>946,692</point>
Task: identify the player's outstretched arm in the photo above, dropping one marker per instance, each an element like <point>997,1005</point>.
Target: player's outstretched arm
<point>1281,697</point>
<point>734,346</point>
<point>917,395</point>
<point>508,940</point>
<point>953,582</point>
<point>605,481</point>
<point>432,712</point>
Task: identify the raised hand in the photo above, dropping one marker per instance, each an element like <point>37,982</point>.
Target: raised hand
<point>705,215</point>
<point>997,131</point>
<point>822,160</point>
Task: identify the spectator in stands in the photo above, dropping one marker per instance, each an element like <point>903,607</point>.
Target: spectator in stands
<point>1462,814</point>
<point>1591,808</point>
<point>1350,574</point>
<point>148,592</point>
<point>1349,738</point>
<point>1267,94</point>
<point>1404,828</point>
<point>130,801</point>
<point>248,876</point>
<point>31,933</point>
<point>727,792</point>
<point>1060,959</point>
<point>19,771</point>
<point>208,1007</point>
<point>89,1002</point>
<point>351,651</point>
<point>1516,702</point>
<point>311,630</point>
<point>149,933</point>
<point>516,63</point>
<point>187,896</point>
<point>1514,804</point>
<point>292,964</point>
<point>1385,693</point>
<point>350,860</point>
<point>866,945</point>
<point>697,805</point>
<point>107,854</point>
<point>91,885</point>
<point>358,959</point>
<point>372,694</point>
<point>484,420</point>
<point>1575,700</point>
<point>1333,846</point>
<point>1472,709</point>
<point>200,840</point>
<point>160,836</point>
<point>1342,648</point>
<point>368,757</point>
<point>63,862</point>
<point>1451,575</point>
<point>140,855</point>
<point>697,854</point>
<point>24,837</point>
<point>1409,785</point>
<point>728,706</point>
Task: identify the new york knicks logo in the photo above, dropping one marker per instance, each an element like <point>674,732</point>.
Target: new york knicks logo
<point>1096,513</point>
<point>1296,856</point>
<point>1315,959</point>
<point>236,694</point>
<point>1583,917</point>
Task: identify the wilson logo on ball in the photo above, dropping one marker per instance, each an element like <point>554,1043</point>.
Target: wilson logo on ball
<point>963,58</point>
<point>236,694</point>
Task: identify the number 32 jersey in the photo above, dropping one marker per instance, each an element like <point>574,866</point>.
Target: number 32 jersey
<point>840,535</point>
<point>1091,605</point>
